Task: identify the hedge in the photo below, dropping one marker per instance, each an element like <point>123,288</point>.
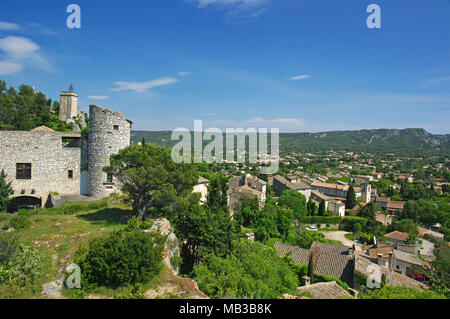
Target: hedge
<point>321,220</point>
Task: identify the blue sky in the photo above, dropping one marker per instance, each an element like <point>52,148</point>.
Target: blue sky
<point>298,65</point>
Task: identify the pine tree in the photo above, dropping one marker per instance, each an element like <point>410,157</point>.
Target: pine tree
<point>5,190</point>
<point>350,201</point>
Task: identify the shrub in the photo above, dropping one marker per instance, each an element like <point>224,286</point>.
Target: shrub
<point>121,259</point>
<point>8,247</point>
<point>330,220</point>
<point>350,221</point>
<point>19,222</point>
<point>22,271</point>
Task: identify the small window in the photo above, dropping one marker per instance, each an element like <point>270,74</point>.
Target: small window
<point>116,127</point>
<point>23,171</point>
<point>70,175</point>
<point>109,178</point>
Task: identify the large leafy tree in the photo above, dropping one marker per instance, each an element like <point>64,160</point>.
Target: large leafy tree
<point>252,270</point>
<point>205,229</point>
<point>151,178</point>
<point>25,109</point>
<point>294,200</point>
<point>5,190</point>
<point>350,201</point>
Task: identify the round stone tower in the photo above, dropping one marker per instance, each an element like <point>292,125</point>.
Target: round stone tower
<point>109,131</point>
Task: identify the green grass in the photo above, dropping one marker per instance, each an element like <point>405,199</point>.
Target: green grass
<point>350,237</point>
<point>58,236</point>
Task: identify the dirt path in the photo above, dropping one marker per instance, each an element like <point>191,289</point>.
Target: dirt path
<point>339,236</point>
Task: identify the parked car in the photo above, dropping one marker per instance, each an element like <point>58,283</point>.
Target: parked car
<point>311,228</point>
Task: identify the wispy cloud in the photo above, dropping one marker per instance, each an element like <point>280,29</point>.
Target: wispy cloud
<point>300,77</point>
<point>98,97</point>
<point>142,87</point>
<point>435,81</point>
<point>7,26</point>
<point>19,51</point>
<point>234,8</point>
<point>9,67</point>
<point>41,29</point>
<point>184,73</point>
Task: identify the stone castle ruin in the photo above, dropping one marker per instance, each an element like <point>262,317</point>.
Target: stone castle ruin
<point>44,165</point>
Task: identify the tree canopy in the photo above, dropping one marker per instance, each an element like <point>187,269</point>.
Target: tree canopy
<point>151,178</point>
<point>251,271</point>
<point>25,109</point>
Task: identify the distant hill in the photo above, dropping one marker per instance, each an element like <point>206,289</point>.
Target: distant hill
<point>405,141</point>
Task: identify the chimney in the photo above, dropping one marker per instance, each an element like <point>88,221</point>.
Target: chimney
<point>306,281</point>
<point>391,261</point>
<point>380,260</point>
<point>416,248</point>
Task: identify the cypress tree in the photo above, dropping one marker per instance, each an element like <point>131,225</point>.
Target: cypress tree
<point>350,201</point>
<point>322,208</point>
<point>311,266</point>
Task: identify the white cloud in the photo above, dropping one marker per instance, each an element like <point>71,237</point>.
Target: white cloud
<point>184,73</point>
<point>142,87</point>
<point>435,82</point>
<point>234,8</point>
<point>299,77</point>
<point>18,51</point>
<point>7,68</point>
<point>7,26</point>
<point>281,122</point>
<point>98,97</point>
<point>18,47</point>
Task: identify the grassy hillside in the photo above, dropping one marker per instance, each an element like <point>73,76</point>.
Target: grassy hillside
<point>406,141</point>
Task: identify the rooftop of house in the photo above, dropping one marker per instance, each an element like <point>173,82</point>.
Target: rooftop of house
<point>333,260</point>
<point>42,128</point>
<point>329,185</point>
<point>300,256</point>
<point>325,290</point>
<point>373,252</point>
<point>292,185</point>
<point>398,235</point>
<point>396,205</point>
<point>329,259</point>
<point>363,266</point>
<point>409,258</point>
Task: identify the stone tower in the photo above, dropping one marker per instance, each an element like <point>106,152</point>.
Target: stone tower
<point>366,193</point>
<point>109,132</point>
<point>68,107</point>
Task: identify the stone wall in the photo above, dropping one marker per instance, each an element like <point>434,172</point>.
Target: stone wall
<point>109,131</point>
<point>50,162</point>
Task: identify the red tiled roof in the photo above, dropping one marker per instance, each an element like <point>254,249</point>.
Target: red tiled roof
<point>397,235</point>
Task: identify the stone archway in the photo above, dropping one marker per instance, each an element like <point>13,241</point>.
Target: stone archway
<point>24,202</point>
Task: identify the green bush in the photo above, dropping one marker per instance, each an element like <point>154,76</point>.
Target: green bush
<point>350,222</point>
<point>21,272</point>
<point>8,247</point>
<point>330,220</point>
<point>121,259</point>
<point>19,222</point>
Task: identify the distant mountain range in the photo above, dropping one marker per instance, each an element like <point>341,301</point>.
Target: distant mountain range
<point>406,141</point>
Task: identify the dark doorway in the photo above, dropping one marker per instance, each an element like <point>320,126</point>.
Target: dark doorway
<point>23,202</point>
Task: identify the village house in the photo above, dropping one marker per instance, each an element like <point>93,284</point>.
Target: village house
<point>245,185</point>
<point>280,184</point>
<point>332,204</point>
